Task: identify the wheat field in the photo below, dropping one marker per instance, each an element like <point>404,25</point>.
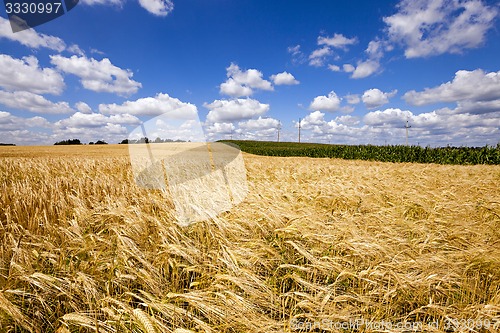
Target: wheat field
<point>316,244</point>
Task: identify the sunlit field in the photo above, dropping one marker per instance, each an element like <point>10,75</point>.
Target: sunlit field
<point>316,244</point>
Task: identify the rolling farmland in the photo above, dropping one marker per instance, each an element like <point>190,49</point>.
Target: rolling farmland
<point>315,244</point>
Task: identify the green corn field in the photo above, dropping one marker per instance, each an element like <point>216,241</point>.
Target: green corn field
<point>397,154</point>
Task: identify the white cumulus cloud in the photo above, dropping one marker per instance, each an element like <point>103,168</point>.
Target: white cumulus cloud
<point>284,78</point>
<point>375,49</point>
<point>334,68</point>
<point>242,83</point>
<point>338,41</point>
<point>157,7</point>
<point>259,124</point>
<point>30,37</point>
<point>75,49</point>
<point>235,89</point>
<point>219,128</point>
<point>348,68</point>
<point>25,100</point>
<point>374,98</point>
<point>365,68</point>
<point>318,57</point>
<point>233,110</point>
<point>473,85</point>
<point>347,120</point>
<point>326,103</point>
<point>83,107</point>
<point>433,27</point>
<point>388,117</point>
<point>79,120</point>
<point>153,106</point>
<point>352,99</point>
<point>99,76</point>
<point>9,122</point>
<point>316,118</point>
<point>298,57</point>
<point>25,74</point>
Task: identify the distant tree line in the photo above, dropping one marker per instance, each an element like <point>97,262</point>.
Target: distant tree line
<point>146,140</point>
<point>102,142</point>
<point>68,142</point>
<point>7,144</point>
<point>78,142</point>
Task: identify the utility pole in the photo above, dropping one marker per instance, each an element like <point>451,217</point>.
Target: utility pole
<point>407,126</point>
<point>279,128</point>
<point>299,128</point>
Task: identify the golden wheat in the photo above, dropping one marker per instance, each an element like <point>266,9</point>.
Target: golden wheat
<point>316,242</point>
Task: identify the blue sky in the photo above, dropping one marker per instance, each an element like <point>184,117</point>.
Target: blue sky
<point>353,71</point>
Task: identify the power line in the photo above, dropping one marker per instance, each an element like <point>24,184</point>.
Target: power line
<point>299,128</point>
<point>407,126</point>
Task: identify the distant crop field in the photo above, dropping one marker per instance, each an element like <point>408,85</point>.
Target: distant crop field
<point>317,244</point>
<point>413,154</point>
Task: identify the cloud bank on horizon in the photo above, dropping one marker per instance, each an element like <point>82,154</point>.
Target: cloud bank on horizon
<point>428,62</point>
